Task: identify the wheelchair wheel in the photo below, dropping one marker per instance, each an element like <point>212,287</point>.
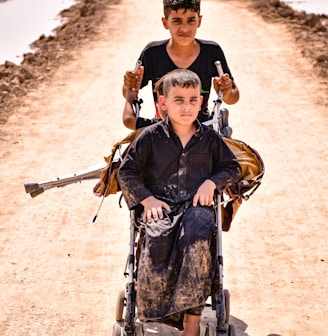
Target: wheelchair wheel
<point>120,302</point>
<point>139,329</point>
<point>210,329</point>
<point>117,330</point>
<point>232,330</point>
<point>227,305</point>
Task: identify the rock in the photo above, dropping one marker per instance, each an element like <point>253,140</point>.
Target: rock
<point>286,12</point>
<point>4,72</point>
<point>4,87</point>
<point>322,58</point>
<point>26,72</point>
<point>18,91</point>
<point>9,64</point>
<point>311,20</point>
<point>17,80</point>
<point>319,27</point>
<point>4,94</point>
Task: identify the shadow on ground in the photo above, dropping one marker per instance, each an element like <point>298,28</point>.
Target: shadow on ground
<point>241,327</point>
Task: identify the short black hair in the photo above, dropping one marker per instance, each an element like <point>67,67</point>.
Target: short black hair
<point>183,78</point>
<point>169,5</point>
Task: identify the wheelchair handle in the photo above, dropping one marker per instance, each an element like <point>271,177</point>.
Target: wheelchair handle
<point>219,68</point>
<point>137,66</point>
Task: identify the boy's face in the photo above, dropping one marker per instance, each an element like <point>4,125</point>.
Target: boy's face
<point>182,25</point>
<point>182,105</point>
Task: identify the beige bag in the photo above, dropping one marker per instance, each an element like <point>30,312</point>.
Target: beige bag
<point>252,168</point>
<point>108,183</point>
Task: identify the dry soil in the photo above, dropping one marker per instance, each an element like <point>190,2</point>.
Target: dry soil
<point>60,273</point>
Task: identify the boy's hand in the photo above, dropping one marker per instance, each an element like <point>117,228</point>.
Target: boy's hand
<point>132,80</point>
<point>153,209</point>
<point>230,92</point>
<point>223,84</point>
<point>204,194</point>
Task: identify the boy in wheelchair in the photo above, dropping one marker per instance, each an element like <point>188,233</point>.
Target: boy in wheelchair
<point>171,171</point>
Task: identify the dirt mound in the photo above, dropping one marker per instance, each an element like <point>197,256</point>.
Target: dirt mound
<point>80,24</point>
<point>83,19</point>
<point>310,30</point>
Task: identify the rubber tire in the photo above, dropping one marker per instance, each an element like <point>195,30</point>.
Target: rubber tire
<point>227,305</point>
<point>139,329</point>
<point>117,329</point>
<point>226,131</point>
<point>232,330</point>
<point>210,329</point>
<point>120,305</point>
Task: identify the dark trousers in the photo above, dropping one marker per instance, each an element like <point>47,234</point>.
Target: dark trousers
<point>175,265</point>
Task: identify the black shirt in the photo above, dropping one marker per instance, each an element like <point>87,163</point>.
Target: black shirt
<point>157,63</point>
<point>157,164</point>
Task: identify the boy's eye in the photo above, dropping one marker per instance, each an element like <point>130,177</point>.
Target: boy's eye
<point>179,21</point>
<point>193,101</point>
<point>176,21</point>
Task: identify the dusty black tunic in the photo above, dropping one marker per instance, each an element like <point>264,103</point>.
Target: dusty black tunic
<point>174,271</point>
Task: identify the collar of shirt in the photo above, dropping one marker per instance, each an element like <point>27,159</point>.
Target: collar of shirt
<point>199,127</point>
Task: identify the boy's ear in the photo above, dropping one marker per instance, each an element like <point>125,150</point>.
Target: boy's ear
<point>164,23</point>
<point>199,20</point>
<point>201,101</point>
<point>162,102</point>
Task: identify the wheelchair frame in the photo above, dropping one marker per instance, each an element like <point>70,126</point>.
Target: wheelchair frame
<point>220,300</point>
<point>129,326</point>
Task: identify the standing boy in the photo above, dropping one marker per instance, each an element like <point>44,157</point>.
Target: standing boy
<point>183,50</point>
<point>172,170</point>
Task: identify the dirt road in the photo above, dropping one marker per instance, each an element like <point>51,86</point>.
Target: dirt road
<point>60,273</point>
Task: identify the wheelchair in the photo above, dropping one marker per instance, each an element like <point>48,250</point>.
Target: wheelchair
<point>127,323</point>
<point>126,316</point>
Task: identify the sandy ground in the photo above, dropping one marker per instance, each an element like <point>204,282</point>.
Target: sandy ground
<point>60,273</point>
